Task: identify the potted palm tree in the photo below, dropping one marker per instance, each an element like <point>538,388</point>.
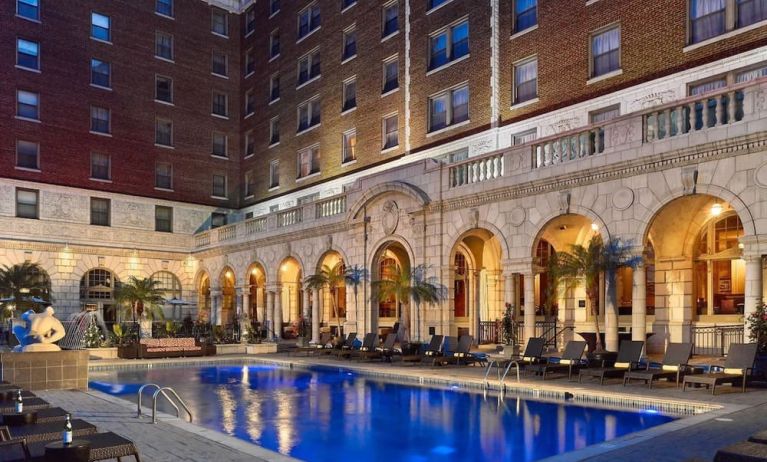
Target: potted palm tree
<point>587,263</point>
<point>330,278</point>
<point>405,285</point>
<point>142,299</point>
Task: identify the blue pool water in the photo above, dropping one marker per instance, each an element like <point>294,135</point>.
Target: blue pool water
<point>329,415</point>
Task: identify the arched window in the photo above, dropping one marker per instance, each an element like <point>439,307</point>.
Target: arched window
<point>98,284</point>
<point>387,307</point>
<point>203,299</point>
<point>460,293</point>
<point>719,268</point>
<point>168,283</point>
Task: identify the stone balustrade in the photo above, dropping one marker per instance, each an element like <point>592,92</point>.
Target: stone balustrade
<point>330,207</point>
<point>290,217</point>
<point>476,170</point>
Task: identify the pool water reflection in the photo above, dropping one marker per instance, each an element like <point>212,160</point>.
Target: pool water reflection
<point>325,415</point>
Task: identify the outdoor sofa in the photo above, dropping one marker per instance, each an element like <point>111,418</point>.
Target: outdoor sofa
<point>165,348</point>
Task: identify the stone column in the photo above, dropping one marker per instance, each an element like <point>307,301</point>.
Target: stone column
<point>477,307</point>
<point>278,312</point>
<point>245,310</point>
<point>753,289</point>
<point>305,308</point>
<point>215,307</point>
<point>238,301</point>
<point>529,306</point>
<point>611,314</point>
<point>269,315</point>
<point>315,315</point>
<point>639,304</point>
<point>510,291</point>
<point>260,302</point>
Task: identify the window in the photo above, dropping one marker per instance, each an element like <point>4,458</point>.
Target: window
<point>707,87</point>
<point>349,146</point>
<point>164,7</point>
<point>27,154</point>
<point>168,283</point>
<point>431,4</point>
<point>99,211</point>
<point>250,62</point>
<point>101,73</point>
<point>27,104</point>
<point>350,44</point>
<point>390,19</point>
<point>527,136</point>
<point>707,19</point>
<point>250,184</point>
<point>526,81</point>
<point>100,119</point>
<point>250,144</point>
<point>219,64</point>
<point>390,75</point>
<point>274,131</point>
<point>274,174</point>
<point>219,22</point>
<point>163,219</point>
<point>163,175</point>
<point>448,108</point>
<point>449,44</point>
<point>163,89</point>
<point>100,166</point>
<point>309,67</point>
<point>751,74</point>
<point>29,9</point>
<point>308,161</point>
<point>525,14</point>
<point>27,203</point>
<point>163,132</point>
<point>274,44</point>
<point>220,104</point>
<point>308,114</point>
<point>308,20</point>
<point>390,131</point>
<point>347,3</point>
<point>605,114</point>
<point>350,94</point>
<point>217,220</point>
<point>163,45</point>
<point>274,7</point>
<point>250,21</point>
<point>606,52</point>
<point>100,27</point>
<point>250,102</point>
<point>219,185</point>
<point>27,54</point>
<point>274,88</point>
<point>751,12</point>
<point>219,144</point>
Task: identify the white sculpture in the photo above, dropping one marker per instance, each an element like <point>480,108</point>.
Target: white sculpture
<point>40,331</point>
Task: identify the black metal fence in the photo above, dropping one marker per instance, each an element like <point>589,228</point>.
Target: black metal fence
<point>492,332</point>
<point>715,340</point>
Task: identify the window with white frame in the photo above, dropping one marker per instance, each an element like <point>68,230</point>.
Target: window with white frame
<point>525,80</point>
<point>100,119</point>
<point>449,44</point>
<point>101,166</point>
<point>220,106</point>
<point>274,131</point>
<point>390,74</point>
<point>750,12</point>
<point>308,114</point>
<point>750,74</point>
<point>219,22</point>
<point>448,108</point>
<point>274,88</point>
<point>525,14</point>
<point>308,20</point>
<point>250,102</point>
<point>27,203</point>
<point>308,161</point>
<point>219,185</point>
<point>101,73</point>
<point>250,20</point>
<point>349,140</point>
<point>250,144</point>
<point>101,27</point>
<point>606,51</point>
<point>28,9</point>
<point>274,174</point>
<point>163,90</point>
<point>390,19</point>
<point>431,4</point>
<point>349,94</point>
<point>164,7</point>
<point>527,136</point>
<point>163,45</point>
<point>163,175</point>
<point>309,67</point>
<point>250,62</point>
<point>27,54</point>
<point>219,144</point>
<point>163,132</point>
<point>350,43</point>
<point>274,7</point>
<point>603,115</point>
<point>274,44</point>
<point>27,154</point>
<point>219,63</point>
<point>27,105</point>
<point>390,133</point>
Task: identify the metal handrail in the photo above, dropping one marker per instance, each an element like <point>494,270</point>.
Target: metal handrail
<point>161,391</point>
<point>153,385</point>
<point>501,379</point>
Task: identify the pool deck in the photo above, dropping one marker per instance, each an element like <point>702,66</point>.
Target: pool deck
<point>731,416</point>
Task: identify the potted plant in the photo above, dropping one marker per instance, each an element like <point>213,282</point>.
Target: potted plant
<point>756,323</point>
<point>143,299</point>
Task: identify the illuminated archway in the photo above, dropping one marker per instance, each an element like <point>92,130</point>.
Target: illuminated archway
<point>291,295</point>
<point>329,300</point>
<point>227,308</point>
<point>97,293</point>
<point>203,298</point>
<point>385,311</point>
<point>257,287</point>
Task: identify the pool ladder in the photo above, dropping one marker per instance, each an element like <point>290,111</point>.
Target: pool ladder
<point>501,378</point>
<point>161,391</point>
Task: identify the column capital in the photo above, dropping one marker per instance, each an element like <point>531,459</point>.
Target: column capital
<point>752,258</point>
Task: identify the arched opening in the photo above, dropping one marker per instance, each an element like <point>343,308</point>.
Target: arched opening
<point>390,258</point>
<point>719,267</point>
<point>97,293</point>
<point>546,300</point>
<point>257,289</point>
<point>203,298</point>
<point>227,297</point>
<point>170,286</point>
<point>291,294</point>
<point>477,284</point>
<point>329,299</point>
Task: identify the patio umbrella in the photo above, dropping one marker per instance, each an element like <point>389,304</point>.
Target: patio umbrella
<point>174,302</point>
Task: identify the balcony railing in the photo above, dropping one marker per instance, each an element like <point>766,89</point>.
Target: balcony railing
<point>227,233</point>
<point>289,217</point>
<point>476,170</point>
<point>255,225</point>
<point>202,239</point>
<point>331,207</point>
<point>712,110</point>
<point>572,146</point>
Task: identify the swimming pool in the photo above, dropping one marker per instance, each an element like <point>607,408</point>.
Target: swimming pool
<point>323,415</point>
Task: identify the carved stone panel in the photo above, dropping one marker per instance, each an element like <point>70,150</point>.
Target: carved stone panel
<point>67,207</point>
<point>689,179</point>
<point>623,198</point>
<point>517,216</point>
<point>389,217</point>
<point>482,146</point>
<point>6,200</point>
<point>132,215</point>
<point>760,176</point>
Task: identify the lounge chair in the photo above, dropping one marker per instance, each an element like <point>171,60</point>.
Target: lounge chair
<point>446,356</point>
<point>629,354</point>
<point>673,366</point>
<point>348,347</point>
<point>737,366</point>
<point>434,349</point>
<point>369,344</point>
<point>103,446</point>
<point>311,349</point>
<point>387,350</point>
<point>570,361</point>
<point>744,451</point>
<point>461,352</point>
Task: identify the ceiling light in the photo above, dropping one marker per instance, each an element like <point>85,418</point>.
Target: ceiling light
<point>716,210</point>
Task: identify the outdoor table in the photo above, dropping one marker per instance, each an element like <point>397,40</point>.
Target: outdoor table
<point>76,451</point>
<point>15,419</point>
<point>10,395</point>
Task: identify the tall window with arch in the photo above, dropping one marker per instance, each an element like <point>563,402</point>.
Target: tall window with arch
<point>719,267</point>
<point>460,293</point>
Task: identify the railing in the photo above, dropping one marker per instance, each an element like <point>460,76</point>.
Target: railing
<point>572,146</point>
<point>330,207</point>
<point>545,329</point>
<point>161,392</point>
<point>227,233</point>
<point>490,332</point>
<point>713,110</point>
<point>476,170</point>
<point>289,217</point>
<point>202,239</point>
<point>255,225</point>
<point>715,340</point>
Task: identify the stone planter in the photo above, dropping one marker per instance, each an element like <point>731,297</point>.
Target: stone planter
<point>261,348</point>
<point>46,370</point>
<point>102,353</point>
<point>231,349</point>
